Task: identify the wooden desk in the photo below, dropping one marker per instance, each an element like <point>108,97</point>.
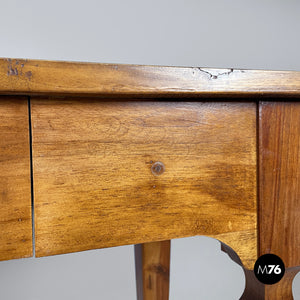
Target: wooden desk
<point>98,155</point>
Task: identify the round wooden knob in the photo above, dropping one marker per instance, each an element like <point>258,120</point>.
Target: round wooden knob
<point>157,168</point>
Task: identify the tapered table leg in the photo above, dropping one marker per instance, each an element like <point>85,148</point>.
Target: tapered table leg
<point>282,289</point>
<point>152,262</point>
<point>279,184</point>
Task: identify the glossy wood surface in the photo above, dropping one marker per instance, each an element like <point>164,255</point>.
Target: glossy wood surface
<point>279,180</point>
<point>35,77</point>
<point>15,187</point>
<point>95,186</point>
<point>152,262</point>
<point>283,289</point>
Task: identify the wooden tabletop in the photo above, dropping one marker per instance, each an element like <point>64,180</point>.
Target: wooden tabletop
<point>36,77</point>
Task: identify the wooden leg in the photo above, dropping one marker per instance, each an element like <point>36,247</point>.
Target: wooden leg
<point>279,291</point>
<point>152,263</point>
<point>283,289</point>
<point>279,184</point>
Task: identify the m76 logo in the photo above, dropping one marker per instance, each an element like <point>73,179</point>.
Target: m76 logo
<point>269,269</point>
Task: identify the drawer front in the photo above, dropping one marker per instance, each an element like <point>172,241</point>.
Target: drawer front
<point>113,173</point>
<point>15,187</point>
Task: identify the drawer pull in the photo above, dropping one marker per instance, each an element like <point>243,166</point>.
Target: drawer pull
<point>157,168</point>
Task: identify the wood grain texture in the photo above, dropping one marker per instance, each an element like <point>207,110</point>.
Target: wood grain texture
<point>34,77</point>
<point>283,289</point>
<point>15,187</point>
<point>94,186</point>
<point>152,262</point>
<point>279,172</point>
<point>244,242</point>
